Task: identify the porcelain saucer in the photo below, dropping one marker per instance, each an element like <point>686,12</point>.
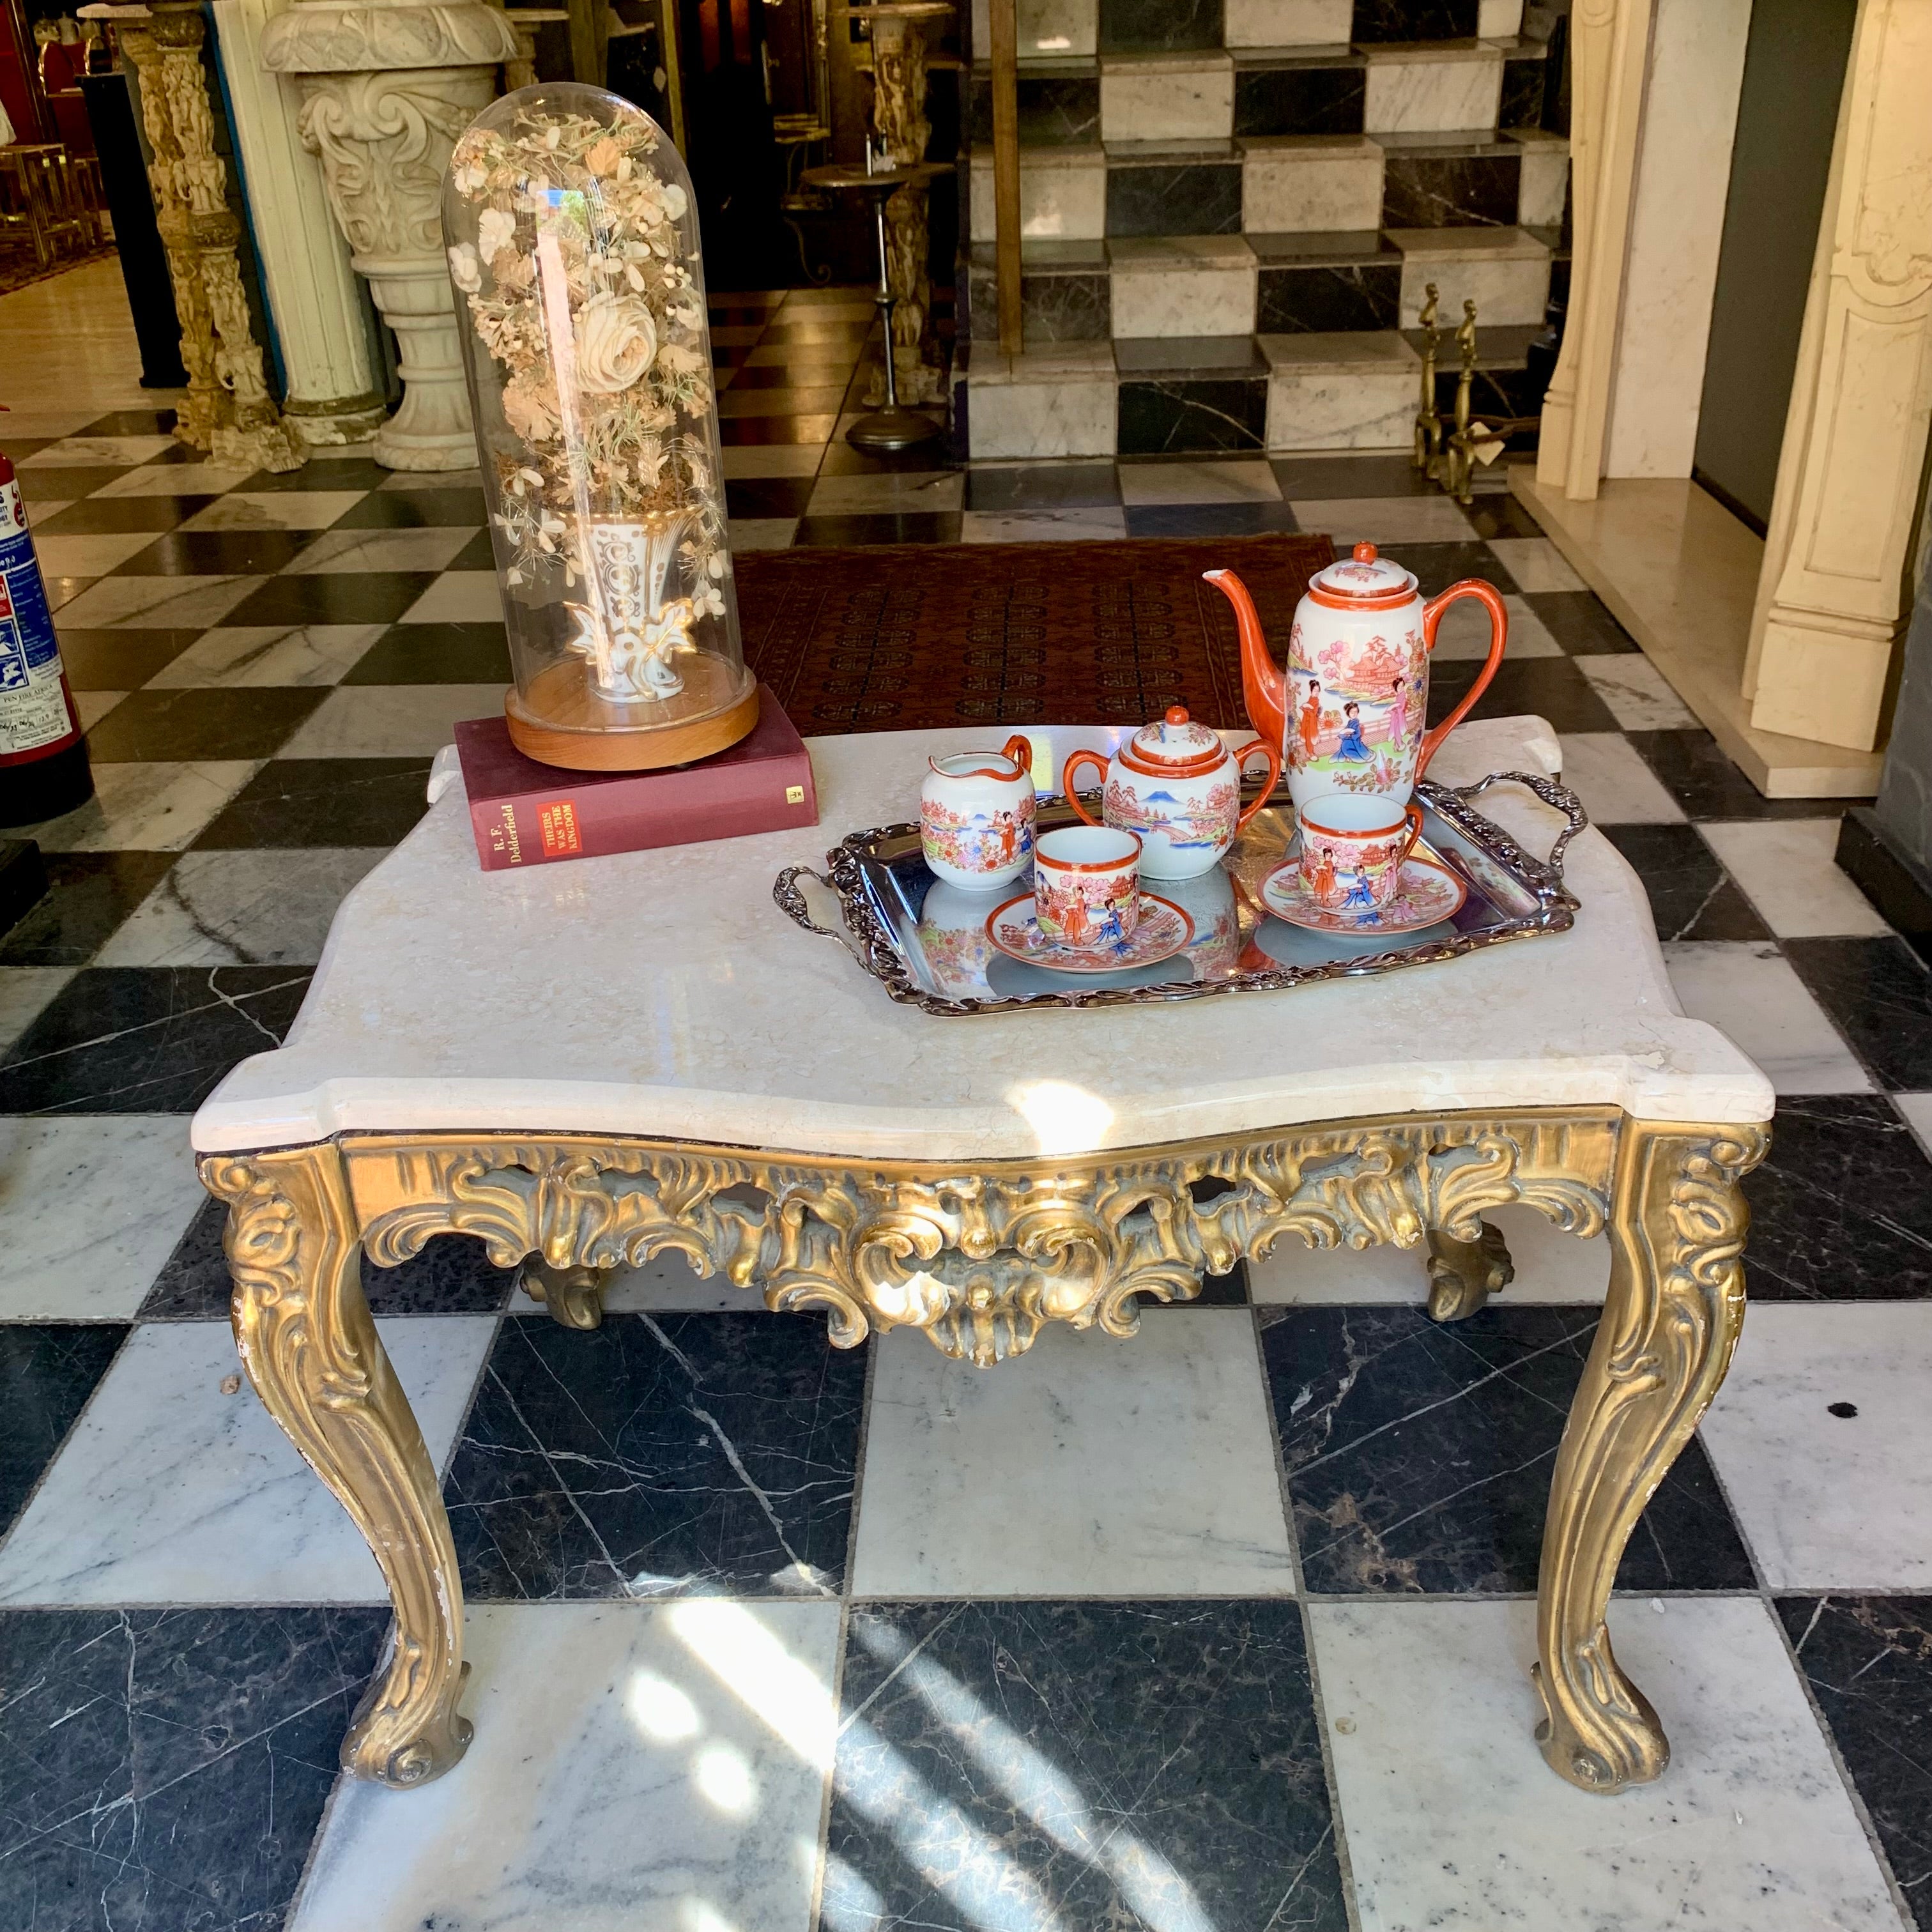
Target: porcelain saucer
<point>1161,931</point>
<point>1428,894</point>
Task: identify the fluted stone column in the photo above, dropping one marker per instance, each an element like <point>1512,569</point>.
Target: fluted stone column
<point>386,90</point>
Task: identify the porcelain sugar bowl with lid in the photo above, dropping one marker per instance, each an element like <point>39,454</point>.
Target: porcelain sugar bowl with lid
<point>1179,787</point>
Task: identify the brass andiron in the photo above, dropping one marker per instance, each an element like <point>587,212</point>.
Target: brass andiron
<point>1448,448</point>
<point>1428,457</point>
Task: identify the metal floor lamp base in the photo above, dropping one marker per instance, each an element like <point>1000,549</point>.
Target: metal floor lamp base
<point>891,428</point>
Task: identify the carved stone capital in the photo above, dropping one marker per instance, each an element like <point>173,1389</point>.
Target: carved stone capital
<point>317,37</point>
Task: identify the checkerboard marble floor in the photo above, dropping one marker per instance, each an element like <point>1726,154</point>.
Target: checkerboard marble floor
<point>1222,1630</point>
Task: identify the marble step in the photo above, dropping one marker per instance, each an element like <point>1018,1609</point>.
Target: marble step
<point>1177,395</point>
<point>1274,183</point>
<point>1049,27</point>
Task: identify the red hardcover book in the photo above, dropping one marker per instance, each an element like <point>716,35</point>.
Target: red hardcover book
<point>526,813</point>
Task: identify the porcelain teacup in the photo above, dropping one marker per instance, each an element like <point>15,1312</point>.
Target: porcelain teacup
<point>1353,847</point>
<point>1087,885</point>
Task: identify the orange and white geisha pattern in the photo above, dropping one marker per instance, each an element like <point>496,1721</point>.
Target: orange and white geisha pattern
<point>1192,817</point>
<point>1087,911</point>
<point>1355,716</point>
<point>986,843</point>
<point>1351,873</point>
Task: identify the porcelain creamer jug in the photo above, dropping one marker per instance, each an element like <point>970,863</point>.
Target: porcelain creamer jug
<point>1177,785</point>
<point>1348,711</point>
<point>975,814</point>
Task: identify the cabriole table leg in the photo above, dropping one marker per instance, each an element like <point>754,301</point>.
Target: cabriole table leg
<point>1671,1318</point>
<point>304,1329</point>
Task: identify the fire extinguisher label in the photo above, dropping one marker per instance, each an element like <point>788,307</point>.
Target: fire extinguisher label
<point>34,710</point>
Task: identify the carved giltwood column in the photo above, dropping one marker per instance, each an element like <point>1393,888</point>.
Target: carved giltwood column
<point>1836,591</point>
<point>228,411</point>
<point>386,89</point>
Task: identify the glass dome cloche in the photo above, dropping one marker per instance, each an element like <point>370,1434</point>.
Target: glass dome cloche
<point>572,236</point>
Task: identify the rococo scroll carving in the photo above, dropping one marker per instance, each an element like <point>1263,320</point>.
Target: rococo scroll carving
<point>980,1259</point>
<point>383,145</point>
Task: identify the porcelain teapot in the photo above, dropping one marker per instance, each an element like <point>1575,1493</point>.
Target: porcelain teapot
<point>1179,787</point>
<point>1348,711</point>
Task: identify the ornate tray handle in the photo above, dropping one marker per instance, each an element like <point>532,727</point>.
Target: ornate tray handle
<point>1557,796</point>
<point>791,900</point>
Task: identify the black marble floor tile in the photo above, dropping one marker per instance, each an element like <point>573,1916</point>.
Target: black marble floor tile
<point>1521,102</point>
<point>769,496</point>
<point>478,554</point>
<point>1159,26</point>
<point>119,657</point>
<point>62,482</point>
<point>1419,1453</point>
<point>1328,297</point>
<point>47,1371</point>
<point>1043,486</point>
<point>435,654</point>
<point>1334,479</point>
<point>1059,301</point>
<point>1553,687</point>
<point>216,553</point>
<point>1691,895</point>
<point>323,472</point>
<point>1437,565</point>
<point>1309,96</point>
<point>192,1284</point>
<point>1208,520</point>
<point>1055,110</point>
<point>802,372</point>
<point>1580,620</point>
<point>921,526</point>
<point>1868,1660</point>
<point>1191,198</point>
<point>1415,19</point>
<point>1499,514</point>
<point>1880,994</point>
<point>658,1456</point>
<point>241,722</point>
<point>1449,190</point>
<point>120,516</point>
<point>818,334</point>
<point>321,802</point>
<point>334,597</point>
<point>132,422</point>
<point>1841,1210</point>
<point>89,894</point>
<point>1176,414</point>
<point>1121,1767</point>
<point>1693,768</point>
<point>737,432</point>
<point>416,509</point>
<point>165,1770</point>
<point>840,459</point>
<point>138,1040</point>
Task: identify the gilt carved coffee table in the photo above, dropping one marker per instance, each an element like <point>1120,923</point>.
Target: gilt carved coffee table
<point>587,1064</point>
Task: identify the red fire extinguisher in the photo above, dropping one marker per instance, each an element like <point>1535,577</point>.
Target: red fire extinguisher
<point>44,766</point>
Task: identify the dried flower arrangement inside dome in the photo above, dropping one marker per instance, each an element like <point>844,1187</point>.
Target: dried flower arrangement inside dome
<point>573,245</point>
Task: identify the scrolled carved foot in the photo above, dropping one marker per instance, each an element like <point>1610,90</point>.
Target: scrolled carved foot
<point>1462,1275</point>
<point>574,1296</point>
<point>394,1740</point>
<point>1598,1731</point>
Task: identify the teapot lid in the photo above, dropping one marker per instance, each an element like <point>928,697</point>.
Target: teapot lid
<point>1176,746</point>
<point>1364,579</point>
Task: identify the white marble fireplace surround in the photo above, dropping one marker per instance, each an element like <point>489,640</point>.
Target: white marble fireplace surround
<point>664,993</point>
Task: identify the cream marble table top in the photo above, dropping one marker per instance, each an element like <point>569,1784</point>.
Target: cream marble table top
<point>663,994</point>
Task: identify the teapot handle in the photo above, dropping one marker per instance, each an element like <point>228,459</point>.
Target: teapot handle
<point>1272,779</point>
<point>1066,781</point>
<point>1487,595</point>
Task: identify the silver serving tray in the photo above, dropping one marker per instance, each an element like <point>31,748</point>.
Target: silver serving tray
<point>880,880</point>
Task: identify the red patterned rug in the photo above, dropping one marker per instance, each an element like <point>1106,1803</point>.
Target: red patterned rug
<point>910,636</point>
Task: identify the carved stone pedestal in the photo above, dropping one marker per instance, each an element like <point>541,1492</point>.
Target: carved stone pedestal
<point>386,89</point>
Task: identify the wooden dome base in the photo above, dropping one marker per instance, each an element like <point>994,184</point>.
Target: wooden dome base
<point>565,722</point>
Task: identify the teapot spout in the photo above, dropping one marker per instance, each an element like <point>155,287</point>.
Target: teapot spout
<point>1264,683</point>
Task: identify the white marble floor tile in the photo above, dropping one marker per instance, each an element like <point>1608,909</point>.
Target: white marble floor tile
<point>90,707</point>
<point>275,510</point>
<point>468,478</point>
<point>889,490</point>
<point>250,908</point>
<point>391,721</point>
<point>90,556</point>
<point>1241,480</point>
<point>1454,1822</point>
<point>151,806</point>
<point>773,459</point>
<point>99,450</point>
<point>762,532</point>
<point>1917,1107</point>
<point>1386,520</point>
<point>177,479</point>
<point>89,1209</point>
<point>335,551</point>
<point>239,656</point>
<point>668,1284</point>
<point>1421,87</point>
<point>1747,990</point>
<point>179,603</point>
<point>1787,867</point>
<point>61,591</point>
<point>1550,1267</point>
<point>1617,787</point>
<point>458,597</point>
<point>170,1491</point>
<point>637,1767</point>
<point>1638,697</point>
<point>24,992</point>
<point>1536,564</point>
<point>38,422</point>
<point>1464,632</point>
<point>1147,1468</point>
<point>1088,525</point>
<point>40,509</point>
<point>1830,1502</point>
